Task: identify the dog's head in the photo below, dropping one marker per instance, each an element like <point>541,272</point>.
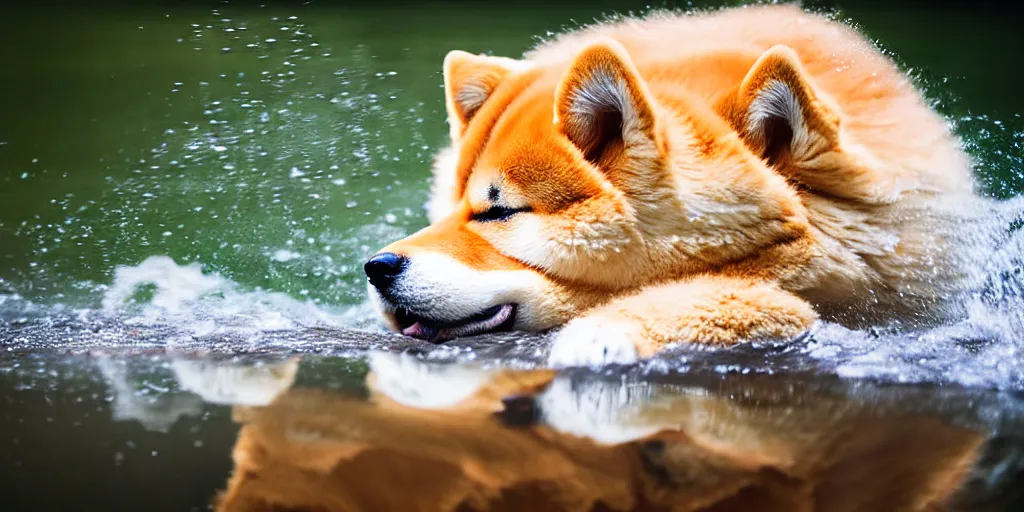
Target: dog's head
<point>567,182</point>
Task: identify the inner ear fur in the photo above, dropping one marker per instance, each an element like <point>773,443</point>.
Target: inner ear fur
<point>783,119</point>
<point>782,116</point>
<point>468,81</point>
<point>602,104</point>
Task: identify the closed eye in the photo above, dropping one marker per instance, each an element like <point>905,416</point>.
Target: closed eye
<point>498,213</point>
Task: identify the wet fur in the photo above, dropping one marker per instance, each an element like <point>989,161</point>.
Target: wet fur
<point>707,178</point>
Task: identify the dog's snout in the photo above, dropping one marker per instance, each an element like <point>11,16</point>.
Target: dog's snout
<point>383,268</point>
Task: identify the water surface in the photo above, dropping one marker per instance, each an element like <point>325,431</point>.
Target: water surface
<point>189,192</point>
<point>181,430</point>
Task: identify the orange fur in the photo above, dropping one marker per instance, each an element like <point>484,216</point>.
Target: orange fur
<point>702,178</point>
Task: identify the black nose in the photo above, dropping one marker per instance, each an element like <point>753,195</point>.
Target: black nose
<point>383,268</point>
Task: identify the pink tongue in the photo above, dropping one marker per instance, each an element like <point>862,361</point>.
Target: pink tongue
<point>415,330</point>
<point>418,330</point>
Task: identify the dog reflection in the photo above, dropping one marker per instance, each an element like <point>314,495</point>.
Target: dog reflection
<point>454,437</point>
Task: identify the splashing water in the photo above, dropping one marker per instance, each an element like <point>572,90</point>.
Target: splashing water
<point>270,169</point>
<point>265,173</point>
<point>158,292</point>
<point>210,304</point>
<point>984,349</point>
<point>176,287</point>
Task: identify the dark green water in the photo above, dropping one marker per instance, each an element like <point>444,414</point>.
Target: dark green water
<point>203,181</point>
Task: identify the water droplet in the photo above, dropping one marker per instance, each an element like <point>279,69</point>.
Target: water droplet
<point>284,255</point>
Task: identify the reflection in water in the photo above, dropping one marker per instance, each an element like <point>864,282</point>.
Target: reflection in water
<point>200,380</point>
<point>156,413</point>
<point>232,384</point>
<point>462,437</point>
<point>395,432</point>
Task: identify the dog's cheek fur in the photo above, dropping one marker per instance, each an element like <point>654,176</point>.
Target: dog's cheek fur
<point>578,246</point>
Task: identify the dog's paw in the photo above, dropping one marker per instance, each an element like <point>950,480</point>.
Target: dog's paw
<point>593,341</point>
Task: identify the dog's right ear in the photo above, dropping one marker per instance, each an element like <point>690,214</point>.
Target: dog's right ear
<point>468,81</point>
<point>604,108</point>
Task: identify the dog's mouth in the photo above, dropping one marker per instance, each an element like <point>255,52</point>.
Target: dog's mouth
<point>492,319</point>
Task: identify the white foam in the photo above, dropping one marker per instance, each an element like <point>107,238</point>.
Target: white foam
<point>984,349</point>
<point>177,287</point>
<point>206,303</point>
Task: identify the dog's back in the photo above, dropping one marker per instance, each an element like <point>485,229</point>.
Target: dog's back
<point>895,211</point>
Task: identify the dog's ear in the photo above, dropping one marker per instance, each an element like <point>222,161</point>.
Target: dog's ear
<point>782,117</point>
<point>468,81</point>
<point>603,107</point>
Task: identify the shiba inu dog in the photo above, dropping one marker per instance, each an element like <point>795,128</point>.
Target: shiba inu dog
<point>708,178</point>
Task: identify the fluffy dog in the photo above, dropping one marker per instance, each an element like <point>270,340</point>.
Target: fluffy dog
<point>708,178</point>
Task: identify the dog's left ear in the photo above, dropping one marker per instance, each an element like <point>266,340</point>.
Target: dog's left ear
<point>778,112</point>
<point>603,106</point>
<point>469,81</point>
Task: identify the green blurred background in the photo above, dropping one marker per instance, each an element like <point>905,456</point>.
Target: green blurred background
<point>280,143</point>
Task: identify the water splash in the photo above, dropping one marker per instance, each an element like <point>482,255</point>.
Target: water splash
<point>158,293</point>
<point>984,349</point>
<point>211,304</point>
<point>177,287</point>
